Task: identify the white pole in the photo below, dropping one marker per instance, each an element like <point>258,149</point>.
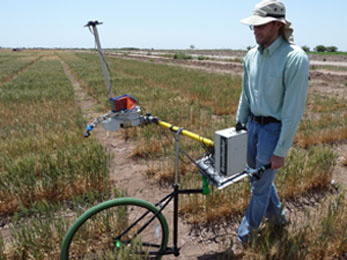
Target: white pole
<point>93,24</point>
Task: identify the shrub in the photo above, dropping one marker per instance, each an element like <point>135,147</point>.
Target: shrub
<point>202,57</point>
<point>182,56</point>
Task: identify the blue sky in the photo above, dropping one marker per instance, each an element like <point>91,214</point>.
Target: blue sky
<point>162,24</point>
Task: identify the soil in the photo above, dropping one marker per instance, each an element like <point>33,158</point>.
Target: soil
<point>129,174</point>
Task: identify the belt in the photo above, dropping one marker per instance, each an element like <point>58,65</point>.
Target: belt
<point>263,120</point>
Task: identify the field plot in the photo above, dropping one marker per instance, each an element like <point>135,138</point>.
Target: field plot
<point>11,64</point>
<point>43,159</point>
<point>49,174</point>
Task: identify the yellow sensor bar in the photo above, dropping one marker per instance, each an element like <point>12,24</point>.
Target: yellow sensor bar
<point>187,133</point>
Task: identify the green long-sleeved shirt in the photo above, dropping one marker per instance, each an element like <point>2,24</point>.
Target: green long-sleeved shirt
<point>275,83</point>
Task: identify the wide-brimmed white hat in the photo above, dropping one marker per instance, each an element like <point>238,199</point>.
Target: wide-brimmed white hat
<point>268,11</point>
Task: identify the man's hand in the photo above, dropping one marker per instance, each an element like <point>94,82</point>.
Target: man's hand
<point>239,126</point>
<point>276,162</point>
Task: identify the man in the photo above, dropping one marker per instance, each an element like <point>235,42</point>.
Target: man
<point>272,104</point>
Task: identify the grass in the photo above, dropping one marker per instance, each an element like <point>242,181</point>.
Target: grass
<point>37,233</point>
<point>328,67</point>
<point>325,121</point>
<point>13,63</point>
<point>182,56</point>
<point>321,236</point>
<point>43,161</point>
<point>48,172</point>
<point>329,53</point>
<point>42,149</point>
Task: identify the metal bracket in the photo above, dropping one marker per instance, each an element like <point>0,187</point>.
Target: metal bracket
<point>177,145</point>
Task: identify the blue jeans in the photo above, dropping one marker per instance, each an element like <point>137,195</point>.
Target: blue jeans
<point>262,141</point>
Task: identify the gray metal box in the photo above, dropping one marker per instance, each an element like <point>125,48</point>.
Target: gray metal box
<point>230,151</point>
<point>123,119</point>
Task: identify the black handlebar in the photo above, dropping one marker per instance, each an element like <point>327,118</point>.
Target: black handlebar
<point>239,126</point>
<point>258,172</point>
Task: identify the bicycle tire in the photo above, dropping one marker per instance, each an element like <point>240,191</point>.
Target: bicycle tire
<point>87,238</point>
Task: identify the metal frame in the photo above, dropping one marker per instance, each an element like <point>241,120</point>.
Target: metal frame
<point>174,249</point>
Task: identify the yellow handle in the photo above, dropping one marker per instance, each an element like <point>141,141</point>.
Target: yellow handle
<point>189,134</point>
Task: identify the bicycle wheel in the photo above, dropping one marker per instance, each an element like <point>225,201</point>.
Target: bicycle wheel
<point>123,228</point>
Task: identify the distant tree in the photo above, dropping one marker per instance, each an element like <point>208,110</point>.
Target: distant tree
<point>192,46</point>
<point>306,48</point>
<point>320,48</point>
<point>331,49</point>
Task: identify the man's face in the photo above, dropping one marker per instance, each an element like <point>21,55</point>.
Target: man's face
<point>267,33</point>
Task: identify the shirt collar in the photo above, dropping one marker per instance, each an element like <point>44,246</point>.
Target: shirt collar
<point>271,49</point>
